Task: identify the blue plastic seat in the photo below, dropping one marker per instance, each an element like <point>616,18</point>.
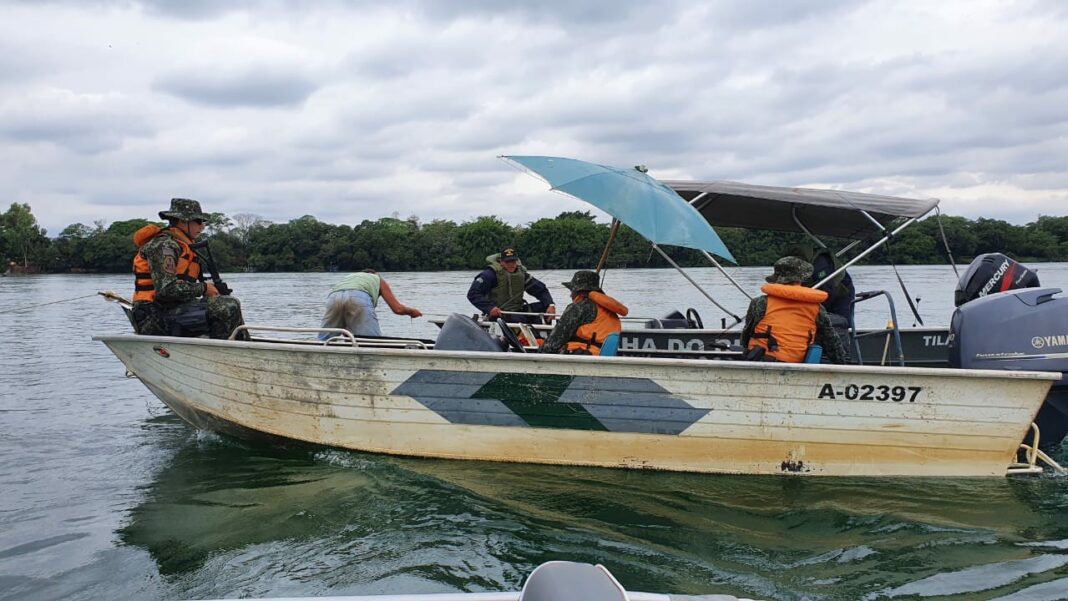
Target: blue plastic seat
<point>610,346</point>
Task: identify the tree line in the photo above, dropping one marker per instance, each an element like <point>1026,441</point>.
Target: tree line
<point>571,240</point>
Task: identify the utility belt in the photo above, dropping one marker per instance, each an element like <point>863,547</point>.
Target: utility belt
<point>757,353</point>
<point>587,341</point>
<point>813,353</point>
<point>188,319</point>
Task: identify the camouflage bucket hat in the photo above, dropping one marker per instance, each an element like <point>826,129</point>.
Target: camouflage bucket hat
<point>584,281</point>
<point>184,209</point>
<point>789,270</point>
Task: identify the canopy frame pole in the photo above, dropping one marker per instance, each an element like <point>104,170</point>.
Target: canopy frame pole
<point>726,275</point>
<point>797,220</point>
<point>847,248</point>
<point>693,203</point>
<point>696,285</point>
<point>868,251</point>
<point>608,245</point>
<point>874,221</point>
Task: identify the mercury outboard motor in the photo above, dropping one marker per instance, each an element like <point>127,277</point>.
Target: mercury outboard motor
<point>990,273</point>
<point>1018,330</point>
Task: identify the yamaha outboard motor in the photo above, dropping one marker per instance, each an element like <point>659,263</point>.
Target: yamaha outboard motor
<point>990,273</point>
<point>1018,330</point>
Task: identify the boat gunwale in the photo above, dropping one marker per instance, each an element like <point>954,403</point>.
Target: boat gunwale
<point>585,359</point>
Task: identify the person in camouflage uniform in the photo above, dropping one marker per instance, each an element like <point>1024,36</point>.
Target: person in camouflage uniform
<point>795,311</point>
<point>587,321</point>
<point>171,297</point>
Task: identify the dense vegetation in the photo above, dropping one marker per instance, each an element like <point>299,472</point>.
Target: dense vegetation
<point>570,240</point>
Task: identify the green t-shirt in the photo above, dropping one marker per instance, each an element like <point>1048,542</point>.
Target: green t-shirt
<point>364,282</point>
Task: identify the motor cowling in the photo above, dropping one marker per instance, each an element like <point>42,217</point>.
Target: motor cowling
<point>1018,330</point>
<point>990,273</point>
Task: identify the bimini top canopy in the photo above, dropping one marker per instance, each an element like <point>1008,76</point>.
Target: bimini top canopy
<point>820,212</point>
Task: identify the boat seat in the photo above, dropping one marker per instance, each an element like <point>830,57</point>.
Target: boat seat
<point>610,346</point>
<point>571,581</point>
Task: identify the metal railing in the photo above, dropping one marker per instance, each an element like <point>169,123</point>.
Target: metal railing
<point>341,336</point>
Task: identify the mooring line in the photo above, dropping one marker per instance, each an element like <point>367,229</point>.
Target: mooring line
<point>28,307</point>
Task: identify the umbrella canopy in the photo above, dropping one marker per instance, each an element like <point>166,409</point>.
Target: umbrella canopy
<point>645,205</point>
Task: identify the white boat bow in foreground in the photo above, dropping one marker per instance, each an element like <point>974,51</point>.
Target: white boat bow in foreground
<point>551,581</point>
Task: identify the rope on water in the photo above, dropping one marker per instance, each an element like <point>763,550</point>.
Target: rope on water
<point>65,300</point>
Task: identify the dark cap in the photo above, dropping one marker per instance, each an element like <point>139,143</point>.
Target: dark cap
<point>788,270</point>
<point>183,209</point>
<point>584,281</point>
<point>508,254</point>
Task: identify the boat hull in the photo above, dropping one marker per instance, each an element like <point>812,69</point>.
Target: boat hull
<point>685,415</point>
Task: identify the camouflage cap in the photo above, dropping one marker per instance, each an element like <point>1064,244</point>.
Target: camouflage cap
<point>789,270</point>
<point>183,209</point>
<point>584,281</point>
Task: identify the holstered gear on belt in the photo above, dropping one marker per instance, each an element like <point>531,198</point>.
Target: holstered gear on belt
<point>189,319</point>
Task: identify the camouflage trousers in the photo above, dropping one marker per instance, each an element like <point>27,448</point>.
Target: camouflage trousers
<point>221,313</point>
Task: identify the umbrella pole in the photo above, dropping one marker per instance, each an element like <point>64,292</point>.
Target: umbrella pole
<point>727,275</point>
<point>608,245</point>
<point>737,320</point>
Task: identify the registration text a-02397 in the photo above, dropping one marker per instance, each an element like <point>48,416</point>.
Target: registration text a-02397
<point>871,392</point>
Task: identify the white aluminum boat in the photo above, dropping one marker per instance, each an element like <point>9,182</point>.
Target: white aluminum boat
<point>671,414</point>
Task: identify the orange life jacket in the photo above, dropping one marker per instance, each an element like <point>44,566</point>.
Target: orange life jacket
<point>589,336</point>
<point>789,323</point>
<point>187,269</point>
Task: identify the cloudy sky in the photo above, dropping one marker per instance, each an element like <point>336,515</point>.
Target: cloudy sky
<point>351,110</point>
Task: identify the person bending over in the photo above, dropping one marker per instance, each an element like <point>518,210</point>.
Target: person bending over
<point>352,301</point>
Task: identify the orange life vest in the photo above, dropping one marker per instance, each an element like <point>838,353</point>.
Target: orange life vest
<point>589,336</point>
<point>789,323</point>
<point>187,269</point>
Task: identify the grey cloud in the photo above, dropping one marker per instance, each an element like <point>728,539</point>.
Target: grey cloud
<point>751,15</point>
<point>198,10</point>
<point>599,13</point>
<point>592,12</point>
<point>69,122</point>
<point>1046,9</point>
<point>256,86</point>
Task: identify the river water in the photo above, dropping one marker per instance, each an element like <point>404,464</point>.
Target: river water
<point>104,494</point>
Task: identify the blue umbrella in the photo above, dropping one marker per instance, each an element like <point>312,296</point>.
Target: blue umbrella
<point>645,205</point>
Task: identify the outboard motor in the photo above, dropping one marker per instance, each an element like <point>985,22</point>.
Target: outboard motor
<point>1018,330</point>
<point>461,333</point>
<point>990,273</point>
